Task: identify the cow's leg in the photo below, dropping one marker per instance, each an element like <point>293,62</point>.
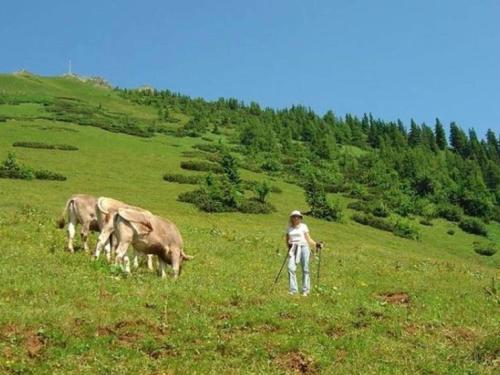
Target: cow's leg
<point>150,262</point>
<point>85,236</point>
<point>121,255</point>
<point>176,263</point>
<point>102,240</point>
<point>71,228</point>
<point>107,249</point>
<point>136,259</point>
<point>161,268</point>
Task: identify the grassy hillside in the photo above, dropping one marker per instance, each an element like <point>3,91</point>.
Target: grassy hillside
<point>62,313</point>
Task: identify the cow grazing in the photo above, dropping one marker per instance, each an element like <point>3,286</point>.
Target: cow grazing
<point>148,234</point>
<point>106,210</point>
<point>79,209</point>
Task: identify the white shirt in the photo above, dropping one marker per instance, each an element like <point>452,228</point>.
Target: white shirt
<point>296,235</point>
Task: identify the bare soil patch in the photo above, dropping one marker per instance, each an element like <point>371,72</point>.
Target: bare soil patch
<point>395,298</point>
<point>296,362</point>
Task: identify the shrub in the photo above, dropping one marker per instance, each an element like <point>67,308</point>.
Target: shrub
<point>487,249</point>
<point>255,206</point>
<point>262,190</point>
<point>271,165</point>
<point>276,189</point>
<point>198,165</point>
<point>372,221</point>
<point>426,221</point>
<point>44,174</point>
<point>11,169</point>
<point>359,206</point>
<point>474,226</point>
<point>183,179</point>
<point>450,212</point>
<point>213,148</point>
<point>46,146</point>
<point>380,209</point>
<point>451,232</point>
<point>405,229</point>
<point>320,207</point>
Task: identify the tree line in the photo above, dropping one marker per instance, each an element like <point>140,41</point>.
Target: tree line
<point>414,170</point>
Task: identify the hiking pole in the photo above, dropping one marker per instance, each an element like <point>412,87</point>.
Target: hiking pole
<point>319,247</point>
<point>281,269</point>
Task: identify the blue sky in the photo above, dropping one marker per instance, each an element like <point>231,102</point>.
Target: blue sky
<point>393,58</point>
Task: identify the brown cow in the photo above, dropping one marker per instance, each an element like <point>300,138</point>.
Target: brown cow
<point>79,209</point>
<point>148,234</point>
<point>106,209</point>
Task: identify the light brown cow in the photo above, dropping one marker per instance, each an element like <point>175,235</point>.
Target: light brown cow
<point>148,234</point>
<point>106,210</point>
<point>79,209</point>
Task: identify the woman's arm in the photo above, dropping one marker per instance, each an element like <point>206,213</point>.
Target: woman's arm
<point>287,244</point>
<point>310,240</point>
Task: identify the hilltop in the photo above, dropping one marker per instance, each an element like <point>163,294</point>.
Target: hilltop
<point>386,304</point>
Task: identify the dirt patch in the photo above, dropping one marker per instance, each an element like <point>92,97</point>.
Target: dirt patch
<point>34,344</point>
<point>9,330</point>
<point>335,332</point>
<point>165,350</point>
<point>128,332</point>
<point>296,362</point>
<point>459,334</point>
<point>395,298</point>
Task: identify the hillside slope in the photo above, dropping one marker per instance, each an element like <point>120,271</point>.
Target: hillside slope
<point>62,313</point>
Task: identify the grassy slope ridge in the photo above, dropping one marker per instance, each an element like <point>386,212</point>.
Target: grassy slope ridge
<point>61,313</point>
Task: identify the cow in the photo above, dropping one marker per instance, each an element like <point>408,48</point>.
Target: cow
<point>148,234</point>
<point>79,209</point>
<point>106,210</point>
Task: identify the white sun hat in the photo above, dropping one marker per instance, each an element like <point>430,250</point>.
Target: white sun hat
<point>296,213</point>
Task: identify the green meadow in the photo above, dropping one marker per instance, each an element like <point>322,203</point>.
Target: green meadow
<point>384,304</point>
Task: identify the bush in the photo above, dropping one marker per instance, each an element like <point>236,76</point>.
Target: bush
<point>372,221</point>
<point>46,146</point>
<point>474,226</point>
<point>183,179</point>
<point>198,165</point>
<point>44,174</point>
<point>380,210</point>
<point>271,165</point>
<point>359,206</point>
<point>213,148</point>
<point>406,229</point>
<point>426,221</point>
<point>451,232</point>
<point>11,169</point>
<point>320,207</point>
<point>450,212</point>
<point>487,249</point>
<point>255,206</point>
<point>262,190</point>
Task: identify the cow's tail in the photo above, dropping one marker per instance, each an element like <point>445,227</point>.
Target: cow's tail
<point>61,222</point>
<point>185,256</point>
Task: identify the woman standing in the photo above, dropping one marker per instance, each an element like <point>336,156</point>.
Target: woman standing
<point>298,240</point>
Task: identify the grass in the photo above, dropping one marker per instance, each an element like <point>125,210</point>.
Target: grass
<point>61,313</point>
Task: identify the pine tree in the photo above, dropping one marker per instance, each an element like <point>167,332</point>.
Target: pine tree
<point>440,135</point>
<point>458,139</point>
<point>414,136</point>
<point>493,145</point>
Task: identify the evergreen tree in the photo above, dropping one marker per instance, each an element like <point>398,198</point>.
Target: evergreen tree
<point>414,136</point>
<point>458,139</point>
<point>440,135</point>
